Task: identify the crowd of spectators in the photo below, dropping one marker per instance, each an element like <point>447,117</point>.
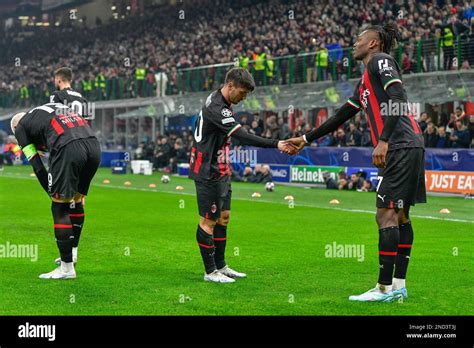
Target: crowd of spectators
<point>456,131</point>
<point>259,174</point>
<point>171,149</point>
<point>167,151</point>
<point>356,182</point>
<point>163,39</point>
<point>166,38</point>
<point>355,132</point>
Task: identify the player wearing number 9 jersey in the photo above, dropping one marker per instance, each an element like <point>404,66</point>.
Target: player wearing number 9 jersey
<point>211,171</point>
<point>67,96</point>
<point>74,157</point>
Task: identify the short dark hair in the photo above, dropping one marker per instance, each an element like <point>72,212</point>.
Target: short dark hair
<point>64,73</point>
<point>240,77</point>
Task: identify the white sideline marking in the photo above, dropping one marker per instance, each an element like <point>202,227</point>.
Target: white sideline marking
<point>265,201</point>
<point>255,201</point>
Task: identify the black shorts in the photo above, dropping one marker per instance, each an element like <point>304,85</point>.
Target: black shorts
<point>213,197</point>
<point>72,168</point>
<point>402,182</point>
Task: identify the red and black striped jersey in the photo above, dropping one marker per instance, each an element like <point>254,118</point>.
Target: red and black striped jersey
<point>371,95</point>
<point>51,126</point>
<point>210,155</point>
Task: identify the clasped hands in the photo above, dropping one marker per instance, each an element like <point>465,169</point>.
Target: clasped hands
<point>291,146</point>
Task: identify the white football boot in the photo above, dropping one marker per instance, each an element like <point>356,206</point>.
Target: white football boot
<point>217,277</point>
<point>65,271</point>
<point>229,272</point>
<point>399,289</point>
<point>374,295</point>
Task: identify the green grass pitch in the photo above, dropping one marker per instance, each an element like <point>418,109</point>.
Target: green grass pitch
<point>138,254</point>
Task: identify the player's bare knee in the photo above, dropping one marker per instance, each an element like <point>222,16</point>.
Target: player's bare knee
<point>403,217</point>
<point>207,225</point>
<point>386,218</point>
<point>224,219</point>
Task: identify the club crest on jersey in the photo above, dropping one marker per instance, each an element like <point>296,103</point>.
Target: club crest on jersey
<point>213,208</point>
<point>226,113</point>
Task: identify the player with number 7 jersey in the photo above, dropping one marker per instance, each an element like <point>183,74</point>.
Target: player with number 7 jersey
<point>74,157</point>
<point>398,153</point>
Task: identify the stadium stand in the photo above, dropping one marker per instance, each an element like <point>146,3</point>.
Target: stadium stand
<point>288,42</point>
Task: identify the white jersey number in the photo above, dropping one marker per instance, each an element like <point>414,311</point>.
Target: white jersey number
<point>76,106</point>
<point>198,130</point>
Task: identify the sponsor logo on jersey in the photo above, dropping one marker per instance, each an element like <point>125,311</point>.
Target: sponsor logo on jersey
<point>384,67</point>
<point>365,94</point>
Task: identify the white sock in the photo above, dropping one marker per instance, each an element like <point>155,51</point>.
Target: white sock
<point>74,253</point>
<point>384,288</point>
<point>67,267</point>
<point>398,283</point>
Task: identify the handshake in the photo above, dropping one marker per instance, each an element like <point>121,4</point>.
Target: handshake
<point>291,146</point>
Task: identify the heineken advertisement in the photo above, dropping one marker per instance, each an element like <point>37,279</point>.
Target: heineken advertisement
<point>313,174</point>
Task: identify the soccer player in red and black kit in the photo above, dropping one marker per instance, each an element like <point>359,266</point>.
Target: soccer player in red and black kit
<point>74,156</point>
<point>66,95</point>
<point>210,169</point>
<point>398,153</point>
<point>74,100</point>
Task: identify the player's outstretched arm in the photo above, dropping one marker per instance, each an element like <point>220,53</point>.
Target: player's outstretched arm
<point>249,139</point>
<point>287,147</point>
<point>344,113</point>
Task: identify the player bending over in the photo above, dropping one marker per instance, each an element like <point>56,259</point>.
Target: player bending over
<point>210,169</point>
<point>73,161</point>
<point>398,153</point>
